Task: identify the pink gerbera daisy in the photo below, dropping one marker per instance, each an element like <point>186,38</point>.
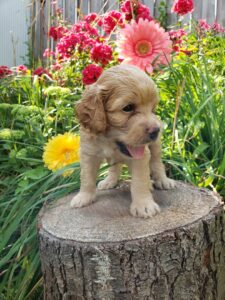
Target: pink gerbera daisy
<point>144,44</point>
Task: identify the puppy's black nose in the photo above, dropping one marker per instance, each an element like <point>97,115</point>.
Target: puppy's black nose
<point>153,134</point>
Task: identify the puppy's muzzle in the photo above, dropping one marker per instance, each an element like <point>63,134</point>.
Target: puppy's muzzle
<point>153,133</point>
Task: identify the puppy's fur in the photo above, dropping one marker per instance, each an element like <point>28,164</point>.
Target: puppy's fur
<point>118,124</point>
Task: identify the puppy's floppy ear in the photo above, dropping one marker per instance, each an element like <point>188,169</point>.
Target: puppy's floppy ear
<point>90,110</point>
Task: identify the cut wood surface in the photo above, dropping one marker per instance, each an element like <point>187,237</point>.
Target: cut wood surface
<point>102,252</point>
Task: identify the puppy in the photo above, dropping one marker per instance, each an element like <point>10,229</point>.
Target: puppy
<point>118,124</point>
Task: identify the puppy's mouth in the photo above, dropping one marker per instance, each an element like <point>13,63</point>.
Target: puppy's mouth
<point>136,152</point>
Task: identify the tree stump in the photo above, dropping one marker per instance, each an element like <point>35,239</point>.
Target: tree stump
<point>102,252</point>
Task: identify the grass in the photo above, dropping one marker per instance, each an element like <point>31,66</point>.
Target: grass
<point>193,108</point>
<point>27,120</point>
<point>20,265</point>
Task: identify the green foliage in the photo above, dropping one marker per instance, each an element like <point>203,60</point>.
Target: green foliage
<point>162,13</point>
<point>32,110</point>
<point>21,90</point>
<point>193,109</point>
<point>57,91</point>
<point>8,134</point>
<point>20,203</point>
<point>206,47</point>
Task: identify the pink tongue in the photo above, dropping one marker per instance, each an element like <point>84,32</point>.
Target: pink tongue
<point>136,152</point>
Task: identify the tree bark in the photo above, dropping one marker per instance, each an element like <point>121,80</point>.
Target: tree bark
<point>102,252</point>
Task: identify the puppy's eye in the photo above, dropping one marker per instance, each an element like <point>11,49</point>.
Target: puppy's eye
<point>129,108</point>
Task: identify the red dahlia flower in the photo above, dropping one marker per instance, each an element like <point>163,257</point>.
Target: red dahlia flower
<point>57,32</point>
<point>91,73</point>
<point>48,53</point>
<point>21,70</point>
<point>177,34</point>
<point>66,45</point>
<point>133,9</point>
<point>182,7</point>
<point>101,53</point>
<point>56,67</point>
<point>41,71</point>
<point>143,12</point>
<point>176,38</point>
<point>84,26</point>
<point>217,28</point>
<point>127,8</point>
<point>203,25</point>
<point>72,41</point>
<point>91,17</point>
<point>111,20</point>
<point>4,71</point>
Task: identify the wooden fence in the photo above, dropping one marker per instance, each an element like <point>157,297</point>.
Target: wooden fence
<point>73,10</point>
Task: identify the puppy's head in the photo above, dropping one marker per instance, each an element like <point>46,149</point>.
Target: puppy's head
<point>121,106</point>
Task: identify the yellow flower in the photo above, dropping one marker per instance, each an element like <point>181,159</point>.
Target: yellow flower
<point>60,151</point>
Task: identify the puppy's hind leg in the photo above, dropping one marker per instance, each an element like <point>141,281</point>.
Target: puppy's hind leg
<point>112,178</point>
<point>87,193</point>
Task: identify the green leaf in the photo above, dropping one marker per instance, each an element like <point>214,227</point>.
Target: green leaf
<point>200,149</point>
<point>36,173</point>
<point>221,168</point>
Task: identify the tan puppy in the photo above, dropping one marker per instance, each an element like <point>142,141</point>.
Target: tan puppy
<point>118,124</point>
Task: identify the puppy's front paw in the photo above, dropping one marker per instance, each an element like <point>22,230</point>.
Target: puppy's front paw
<point>164,183</point>
<point>82,199</point>
<point>107,183</point>
<point>145,209</point>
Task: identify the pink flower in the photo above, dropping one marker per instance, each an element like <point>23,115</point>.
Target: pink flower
<point>177,34</point>
<point>143,12</point>
<point>127,7</point>
<point>91,17</point>
<point>182,7</point>
<point>133,9</point>
<point>117,16</point>
<point>72,42</point>
<point>56,67</point>
<point>111,20</point>
<point>66,45</point>
<point>48,53</point>
<point>100,21</point>
<point>41,71</point>
<point>91,73</point>
<point>21,70</point>
<point>84,26</point>
<point>217,28</point>
<point>101,53</point>
<point>176,48</point>
<point>57,32</point>
<point>203,25</point>
<point>144,44</point>
<point>5,71</point>
<point>176,38</point>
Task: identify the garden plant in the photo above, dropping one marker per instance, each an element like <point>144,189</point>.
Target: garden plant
<point>39,134</point>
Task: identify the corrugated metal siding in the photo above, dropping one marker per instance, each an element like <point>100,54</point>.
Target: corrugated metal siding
<point>14,20</point>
